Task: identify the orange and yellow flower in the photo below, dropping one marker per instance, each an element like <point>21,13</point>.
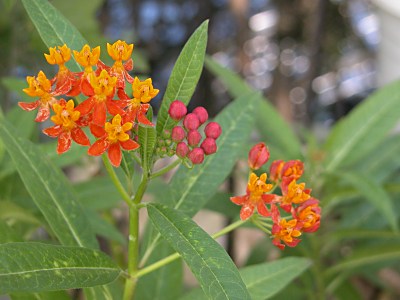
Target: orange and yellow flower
<point>67,126</point>
<point>113,137</point>
<point>39,86</point>
<point>101,90</point>
<point>255,197</point>
<point>308,215</point>
<point>287,232</point>
<point>294,194</point>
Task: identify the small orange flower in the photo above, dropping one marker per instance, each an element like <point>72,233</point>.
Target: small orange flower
<point>67,126</point>
<point>255,197</point>
<point>87,57</point>
<point>286,231</point>
<point>309,215</point>
<point>258,156</point>
<point>292,169</point>
<point>112,137</point>
<point>64,79</point>
<point>143,90</point>
<point>100,91</point>
<point>120,51</point>
<point>275,171</point>
<point>40,87</point>
<point>294,193</point>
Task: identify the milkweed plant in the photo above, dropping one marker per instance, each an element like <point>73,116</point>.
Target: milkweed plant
<point>94,109</point>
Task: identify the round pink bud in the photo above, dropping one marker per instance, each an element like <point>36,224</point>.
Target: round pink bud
<point>193,138</point>
<point>196,156</point>
<point>182,149</point>
<point>177,110</point>
<point>191,122</point>
<point>201,113</point>
<point>209,146</point>
<point>258,156</point>
<point>178,134</point>
<point>213,130</point>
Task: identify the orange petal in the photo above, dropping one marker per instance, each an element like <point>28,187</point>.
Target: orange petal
<point>80,137</point>
<point>114,154</point>
<point>87,88</point>
<point>113,108</point>
<point>128,65</point>
<point>246,211</point>
<point>262,210</point>
<point>64,142</point>
<point>141,118</point>
<point>96,130</point>
<point>29,106</point>
<point>129,145</point>
<point>98,147</point>
<point>86,106</point>
<point>43,113</point>
<point>239,200</point>
<point>99,114</point>
<point>54,131</point>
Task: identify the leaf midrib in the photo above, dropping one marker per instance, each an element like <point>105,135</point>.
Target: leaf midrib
<point>195,250</point>
<point>58,269</point>
<point>76,237</point>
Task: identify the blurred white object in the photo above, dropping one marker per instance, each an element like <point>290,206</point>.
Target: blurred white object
<point>388,12</point>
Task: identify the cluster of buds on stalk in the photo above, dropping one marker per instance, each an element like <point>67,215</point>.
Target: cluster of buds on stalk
<point>302,211</point>
<point>107,110</point>
<point>185,140</point>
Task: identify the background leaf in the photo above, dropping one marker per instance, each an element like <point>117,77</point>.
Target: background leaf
<point>54,28</point>
<point>49,189</point>
<point>184,76</point>
<point>274,129</point>
<point>364,128</point>
<point>147,141</point>
<point>208,261</point>
<point>40,267</point>
<point>375,194</point>
<point>265,280</point>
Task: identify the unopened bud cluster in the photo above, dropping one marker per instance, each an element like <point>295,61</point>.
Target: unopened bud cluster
<point>185,139</point>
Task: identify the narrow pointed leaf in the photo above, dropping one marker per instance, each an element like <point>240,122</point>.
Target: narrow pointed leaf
<point>54,28</point>
<point>364,128</point>
<point>208,261</point>
<point>49,189</point>
<point>265,280</point>
<point>375,194</point>
<point>275,130</point>
<point>37,267</point>
<point>147,141</point>
<point>184,76</point>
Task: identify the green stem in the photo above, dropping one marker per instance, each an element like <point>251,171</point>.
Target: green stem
<point>141,189</point>
<point>133,252</point>
<point>165,169</point>
<point>115,180</point>
<point>176,255</point>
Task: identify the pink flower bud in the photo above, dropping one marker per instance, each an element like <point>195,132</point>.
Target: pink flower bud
<point>177,110</point>
<point>193,138</point>
<point>213,130</point>
<point>191,122</point>
<point>209,146</point>
<point>201,113</point>
<point>182,149</point>
<point>178,134</point>
<point>258,156</point>
<point>196,156</point>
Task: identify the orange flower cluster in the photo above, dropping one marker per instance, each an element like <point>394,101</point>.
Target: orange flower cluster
<point>304,212</point>
<point>110,120</point>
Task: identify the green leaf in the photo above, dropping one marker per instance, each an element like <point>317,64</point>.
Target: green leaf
<point>147,141</point>
<point>184,76</point>
<point>12,211</point>
<point>364,128</point>
<point>208,261</point>
<point>192,188</point>
<point>8,234</point>
<point>59,295</point>
<point>49,189</point>
<point>38,267</point>
<point>375,194</point>
<point>274,129</point>
<point>267,279</point>
<point>97,193</point>
<point>383,254</point>
<point>54,28</point>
